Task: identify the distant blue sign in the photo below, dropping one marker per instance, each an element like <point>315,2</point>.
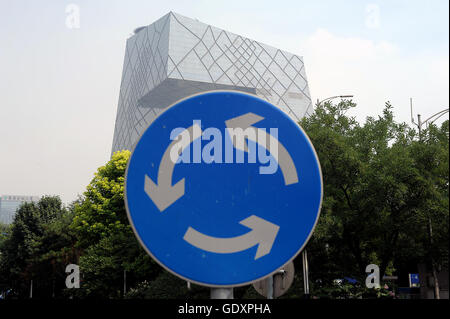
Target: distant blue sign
<point>414,280</point>
<point>223,189</point>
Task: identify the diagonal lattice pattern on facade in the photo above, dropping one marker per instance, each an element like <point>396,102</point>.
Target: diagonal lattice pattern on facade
<point>176,56</point>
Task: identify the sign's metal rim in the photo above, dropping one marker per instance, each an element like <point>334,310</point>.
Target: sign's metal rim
<point>199,282</point>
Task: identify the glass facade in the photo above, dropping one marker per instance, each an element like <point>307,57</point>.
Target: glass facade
<point>176,56</point>
<point>9,205</point>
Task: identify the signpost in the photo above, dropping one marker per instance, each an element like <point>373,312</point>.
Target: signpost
<point>223,189</point>
<point>414,281</point>
<point>278,284</point>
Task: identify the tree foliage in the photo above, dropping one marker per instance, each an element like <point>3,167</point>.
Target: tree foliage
<point>33,249</point>
<point>381,182</point>
<point>105,235</point>
<point>101,212</point>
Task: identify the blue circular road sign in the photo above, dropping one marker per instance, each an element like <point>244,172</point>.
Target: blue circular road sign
<point>223,189</point>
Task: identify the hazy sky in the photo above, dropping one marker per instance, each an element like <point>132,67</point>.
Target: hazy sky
<point>59,86</point>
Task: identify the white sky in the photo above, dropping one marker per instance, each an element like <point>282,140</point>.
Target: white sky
<point>59,86</point>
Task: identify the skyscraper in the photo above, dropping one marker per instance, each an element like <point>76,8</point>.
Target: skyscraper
<point>176,56</point>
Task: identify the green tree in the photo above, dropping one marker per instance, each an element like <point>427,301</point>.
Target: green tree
<point>4,233</point>
<point>376,192</point>
<point>101,211</point>
<point>28,246</point>
<point>105,236</point>
<point>431,158</point>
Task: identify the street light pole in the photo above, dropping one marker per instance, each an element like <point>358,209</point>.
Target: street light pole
<point>428,121</point>
<point>334,97</point>
<point>304,253</point>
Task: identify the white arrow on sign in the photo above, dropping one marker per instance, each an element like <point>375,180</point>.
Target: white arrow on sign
<point>263,234</point>
<point>284,159</point>
<point>164,194</point>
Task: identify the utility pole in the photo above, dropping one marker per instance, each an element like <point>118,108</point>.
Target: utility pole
<point>419,124</point>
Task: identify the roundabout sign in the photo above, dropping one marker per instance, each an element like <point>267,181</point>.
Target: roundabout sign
<point>223,189</point>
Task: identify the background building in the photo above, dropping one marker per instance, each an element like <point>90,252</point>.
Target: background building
<point>9,205</point>
<point>176,56</point>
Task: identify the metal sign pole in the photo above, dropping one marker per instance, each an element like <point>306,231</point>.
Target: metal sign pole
<point>124,282</point>
<point>269,283</point>
<point>305,273</point>
<point>222,293</point>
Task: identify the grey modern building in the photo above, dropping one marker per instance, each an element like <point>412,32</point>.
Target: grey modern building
<point>176,56</point>
<point>9,205</point>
